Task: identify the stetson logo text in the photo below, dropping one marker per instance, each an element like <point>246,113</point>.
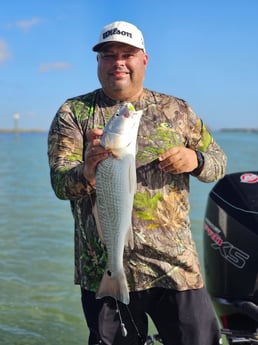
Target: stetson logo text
<point>116,32</point>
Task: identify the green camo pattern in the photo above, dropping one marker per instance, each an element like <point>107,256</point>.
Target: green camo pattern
<point>164,253</point>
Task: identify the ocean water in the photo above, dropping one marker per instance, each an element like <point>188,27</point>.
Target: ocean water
<point>39,303</point>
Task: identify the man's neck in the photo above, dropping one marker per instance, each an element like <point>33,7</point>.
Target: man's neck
<point>123,97</point>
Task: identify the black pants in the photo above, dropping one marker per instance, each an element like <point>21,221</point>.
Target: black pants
<point>181,318</point>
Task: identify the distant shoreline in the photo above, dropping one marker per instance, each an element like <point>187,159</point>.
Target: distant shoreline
<point>23,130</point>
<point>39,130</point>
<point>255,130</point>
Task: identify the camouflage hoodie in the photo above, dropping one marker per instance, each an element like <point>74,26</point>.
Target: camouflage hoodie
<point>164,253</point>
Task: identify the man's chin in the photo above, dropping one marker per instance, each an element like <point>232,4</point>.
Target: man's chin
<point>120,85</point>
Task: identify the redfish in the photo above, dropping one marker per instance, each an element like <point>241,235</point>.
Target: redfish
<point>115,188</point>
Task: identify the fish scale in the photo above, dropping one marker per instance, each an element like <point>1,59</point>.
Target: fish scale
<point>109,203</point>
<point>114,210</point>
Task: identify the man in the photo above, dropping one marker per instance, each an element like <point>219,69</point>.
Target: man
<point>163,270</point>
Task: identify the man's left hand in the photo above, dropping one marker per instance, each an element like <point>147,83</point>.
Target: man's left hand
<point>178,160</point>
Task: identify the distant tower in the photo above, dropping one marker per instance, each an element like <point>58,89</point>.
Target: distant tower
<point>16,118</point>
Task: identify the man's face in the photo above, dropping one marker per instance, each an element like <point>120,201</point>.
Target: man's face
<point>121,70</point>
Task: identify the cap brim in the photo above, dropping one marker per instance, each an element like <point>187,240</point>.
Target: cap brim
<point>98,47</point>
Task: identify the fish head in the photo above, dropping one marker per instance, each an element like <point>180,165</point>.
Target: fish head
<point>121,129</point>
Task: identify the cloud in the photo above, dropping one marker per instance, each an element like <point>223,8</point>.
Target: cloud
<point>24,25</point>
<point>46,67</point>
<point>27,24</point>
<point>4,52</point>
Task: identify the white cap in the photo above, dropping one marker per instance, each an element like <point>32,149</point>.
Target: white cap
<point>122,32</point>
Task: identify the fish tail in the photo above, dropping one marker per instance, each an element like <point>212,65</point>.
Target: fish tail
<point>115,287</point>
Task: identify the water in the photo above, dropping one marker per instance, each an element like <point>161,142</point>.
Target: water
<point>38,302</point>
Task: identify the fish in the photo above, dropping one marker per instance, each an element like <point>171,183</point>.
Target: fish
<point>116,185</point>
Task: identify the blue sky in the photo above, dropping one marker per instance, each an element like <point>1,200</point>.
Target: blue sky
<point>204,52</point>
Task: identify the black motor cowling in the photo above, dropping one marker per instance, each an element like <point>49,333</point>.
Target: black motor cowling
<point>231,238</point>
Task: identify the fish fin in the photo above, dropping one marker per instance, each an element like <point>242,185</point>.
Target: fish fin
<point>129,239</point>
<point>115,287</point>
<point>96,216</point>
<point>132,178</point>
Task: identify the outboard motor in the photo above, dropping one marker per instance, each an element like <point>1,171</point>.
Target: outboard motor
<point>231,255</point>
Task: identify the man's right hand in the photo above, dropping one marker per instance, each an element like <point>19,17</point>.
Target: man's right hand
<point>94,153</point>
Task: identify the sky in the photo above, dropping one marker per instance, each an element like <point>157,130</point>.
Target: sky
<point>205,52</point>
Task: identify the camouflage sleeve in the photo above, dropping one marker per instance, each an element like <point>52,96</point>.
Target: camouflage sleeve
<point>201,139</point>
<point>65,154</point>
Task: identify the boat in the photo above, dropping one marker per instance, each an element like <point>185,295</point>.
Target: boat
<point>230,250</point>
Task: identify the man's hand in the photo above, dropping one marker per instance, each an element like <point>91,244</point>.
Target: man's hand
<point>178,160</point>
<point>93,155</point>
